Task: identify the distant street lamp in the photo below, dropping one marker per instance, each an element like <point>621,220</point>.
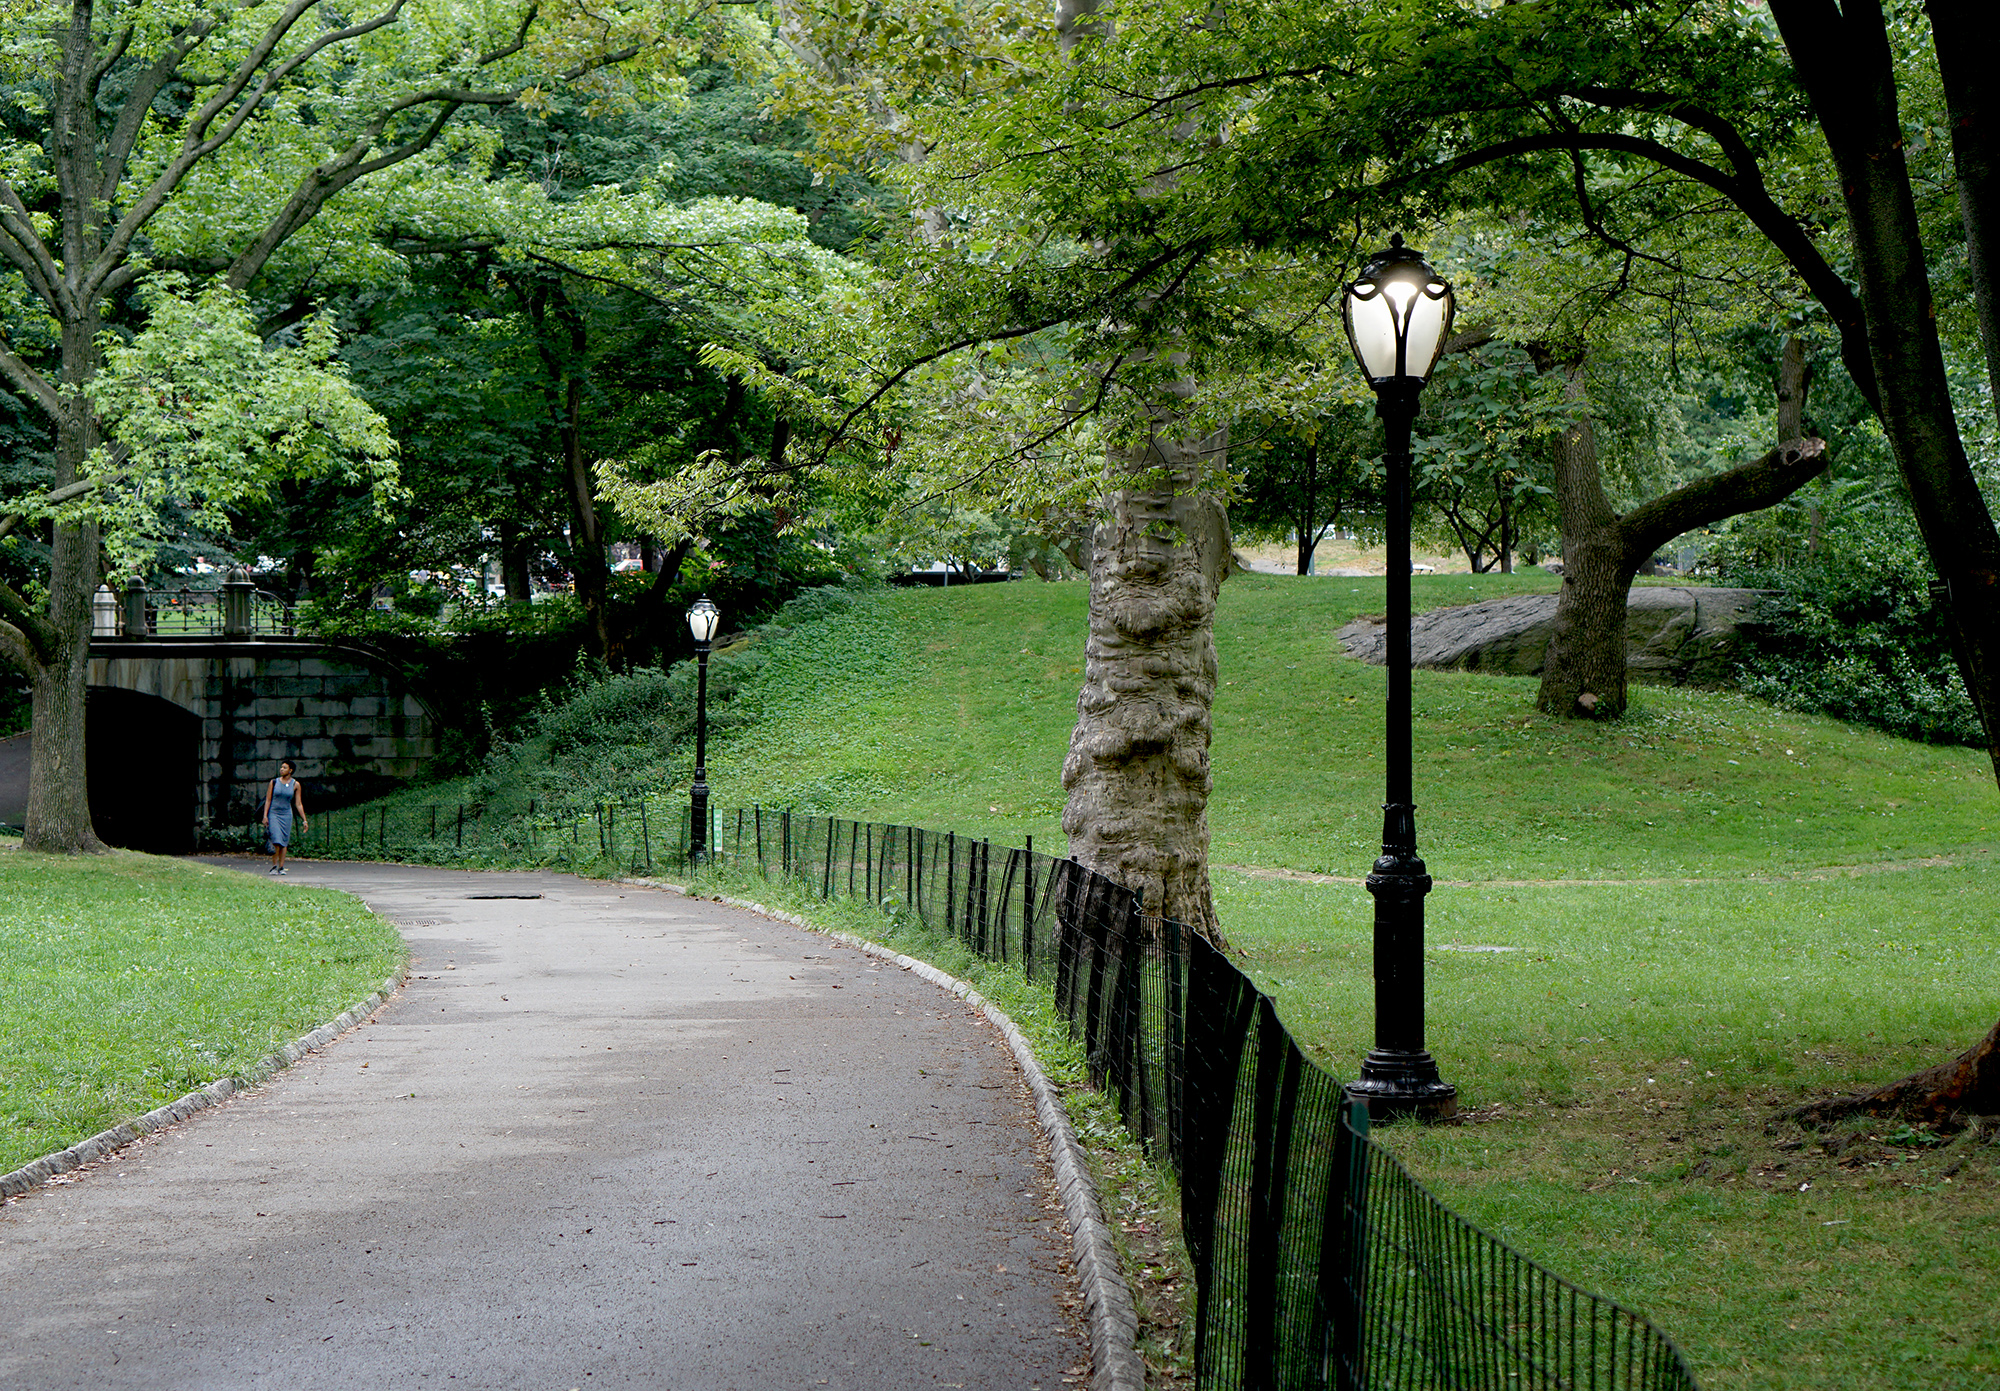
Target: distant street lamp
<point>104,613</point>
<point>1398,313</point>
<point>702,620</point>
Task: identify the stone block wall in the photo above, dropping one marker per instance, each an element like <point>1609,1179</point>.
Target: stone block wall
<point>350,727</point>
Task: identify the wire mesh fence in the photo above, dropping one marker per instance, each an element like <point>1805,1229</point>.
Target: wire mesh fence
<point>1318,1261</point>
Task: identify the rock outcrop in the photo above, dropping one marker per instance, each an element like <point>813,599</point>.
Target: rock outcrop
<point>1674,635</point>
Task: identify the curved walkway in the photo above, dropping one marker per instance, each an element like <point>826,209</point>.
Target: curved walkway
<point>609,1136</point>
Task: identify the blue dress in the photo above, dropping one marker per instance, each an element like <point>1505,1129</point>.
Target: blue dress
<point>279,824</point>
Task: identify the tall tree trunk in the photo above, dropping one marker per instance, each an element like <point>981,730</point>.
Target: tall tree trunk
<point>589,556</point>
<point>514,576</point>
<point>58,641</point>
<point>564,347</point>
<point>1308,524</point>
<point>1847,66</point>
<point>650,615</point>
<point>1137,773</point>
<point>1965,61</point>
<point>58,783</point>
<point>1584,672</point>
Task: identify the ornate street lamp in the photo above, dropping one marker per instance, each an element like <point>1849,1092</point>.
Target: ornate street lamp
<point>1398,313</point>
<point>702,620</point>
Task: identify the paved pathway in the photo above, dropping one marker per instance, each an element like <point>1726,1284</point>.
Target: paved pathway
<point>610,1137</point>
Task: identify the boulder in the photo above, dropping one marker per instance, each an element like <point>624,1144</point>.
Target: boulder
<point>1674,635</point>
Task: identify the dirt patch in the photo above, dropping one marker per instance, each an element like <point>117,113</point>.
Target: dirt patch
<point>1300,876</point>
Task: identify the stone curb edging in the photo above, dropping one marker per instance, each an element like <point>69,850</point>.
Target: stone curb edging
<point>108,1142</point>
<point>1108,1309</point>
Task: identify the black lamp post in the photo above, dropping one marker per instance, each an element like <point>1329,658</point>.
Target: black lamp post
<point>702,619</point>
<point>1398,313</point>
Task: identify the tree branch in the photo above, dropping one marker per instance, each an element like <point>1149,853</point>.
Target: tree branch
<point>110,61</point>
<point>1750,197</point>
<point>37,637</point>
<point>336,174</point>
<point>138,103</point>
<point>1195,251</point>
<point>1730,140</point>
<point>197,144</point>
<point>28,381</point>
<point>58,496</point>
<point>15,648</point>
<point>26,250</point>
<point>1763,481</point>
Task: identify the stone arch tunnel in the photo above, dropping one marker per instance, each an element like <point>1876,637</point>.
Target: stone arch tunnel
<point>187,731</point>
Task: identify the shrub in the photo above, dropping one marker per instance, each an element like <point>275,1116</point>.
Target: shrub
<point>619,737</point>
<point>1856,634</point>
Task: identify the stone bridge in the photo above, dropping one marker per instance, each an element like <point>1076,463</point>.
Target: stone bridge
<point>189,730</point>
<point>195,696</point>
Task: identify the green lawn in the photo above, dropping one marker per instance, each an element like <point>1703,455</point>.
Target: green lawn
<point>955,707</point>
<point>1716,909</point>
<point>131,980</point>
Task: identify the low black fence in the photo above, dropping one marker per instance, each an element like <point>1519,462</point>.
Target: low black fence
<point>1318,1261</point>
<point>636,837</point>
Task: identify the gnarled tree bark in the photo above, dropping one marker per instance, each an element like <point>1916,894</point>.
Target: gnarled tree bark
<point>1137,773</point>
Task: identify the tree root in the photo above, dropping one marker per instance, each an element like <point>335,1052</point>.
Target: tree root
<point>1968,1085</point>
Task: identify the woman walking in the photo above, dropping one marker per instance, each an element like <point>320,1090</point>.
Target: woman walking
<point>283,797</point>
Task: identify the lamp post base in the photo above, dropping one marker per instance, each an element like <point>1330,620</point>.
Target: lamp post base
<point>698,824</point>
<point>1403,1086</point>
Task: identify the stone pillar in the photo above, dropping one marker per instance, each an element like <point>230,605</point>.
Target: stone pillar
<point>236,593</point>
<point>136,625</point>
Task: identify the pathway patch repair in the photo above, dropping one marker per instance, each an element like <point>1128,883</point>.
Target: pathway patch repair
<point>606,1137</point>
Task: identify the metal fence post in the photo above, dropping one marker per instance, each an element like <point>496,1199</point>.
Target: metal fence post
<point>985,891</point>
<point>1028,908</point>
<point>1343,1248</point>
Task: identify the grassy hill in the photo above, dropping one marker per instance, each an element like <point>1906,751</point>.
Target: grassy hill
<point>1699,914</point>
<point>1647,936</point>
